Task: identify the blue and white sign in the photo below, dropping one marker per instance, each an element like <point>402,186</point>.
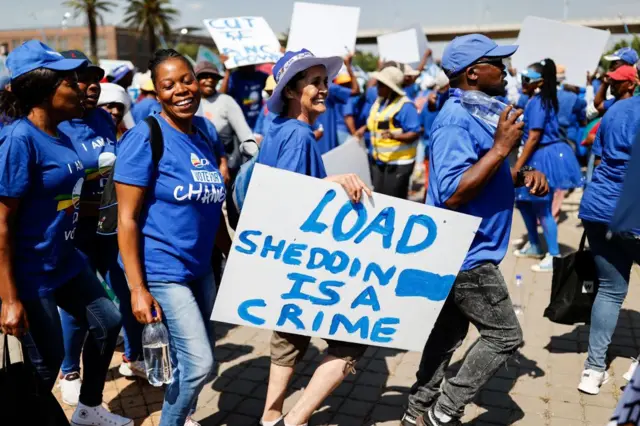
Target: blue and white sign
<point>306,260</point>
<point>246,40</point>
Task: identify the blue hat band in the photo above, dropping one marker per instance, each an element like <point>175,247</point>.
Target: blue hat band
<point>290,62</point>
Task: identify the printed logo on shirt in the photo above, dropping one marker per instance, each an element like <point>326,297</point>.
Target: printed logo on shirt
<point>206,194</point>
<point>70,204</point>
<point>252,99</point>
<point>206,177</point>
<point>198,163</point>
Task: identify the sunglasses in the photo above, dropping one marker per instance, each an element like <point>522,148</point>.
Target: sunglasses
<point>528,80</point>
<point>496,62</point>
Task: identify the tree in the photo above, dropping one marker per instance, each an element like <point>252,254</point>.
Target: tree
<point>188,49</point>
<point>365,60</point>
<point>93,10</point>
<point>635,44</point>
<point>151,16</point>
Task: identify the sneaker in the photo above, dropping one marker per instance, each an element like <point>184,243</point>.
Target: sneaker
<point>408,420</point>
<point>191,422</point>
<point>132,368</point>
<point>70,386</point>
<point>430,419</point>
<point>518,242</point>
<point>592,380</point>
<point>632,369</point>
<point>546,265</point>
<point>529,251</point>
<point>97,416</point>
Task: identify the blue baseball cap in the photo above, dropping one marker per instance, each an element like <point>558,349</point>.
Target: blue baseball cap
<point>465,50</point>
<point>34,54</point>
<point>291,64</point>
<point>626,54</point>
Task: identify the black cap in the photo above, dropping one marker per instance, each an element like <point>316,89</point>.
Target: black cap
<point>76,54</point>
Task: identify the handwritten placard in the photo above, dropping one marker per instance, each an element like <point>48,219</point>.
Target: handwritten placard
<point>306,260</point>
<point>246,40</point>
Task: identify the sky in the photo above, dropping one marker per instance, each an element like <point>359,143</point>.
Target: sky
<point>375,14</point>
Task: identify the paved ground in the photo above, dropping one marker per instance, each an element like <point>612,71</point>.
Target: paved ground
<point>537,387</point>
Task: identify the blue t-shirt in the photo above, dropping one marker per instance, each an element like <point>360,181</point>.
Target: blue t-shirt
<point>337,95</point>
<point>412,91</point>
<point>94,137</point>
<point>265,119</point>
<point>46,174</point>
<point>537,116</point>
<point>613,143</point>
<point>352,108</point>
<point>407,118</point>
<point>572,110</point>
<point>246,88</point>
<point>291,145</point>
<point>145,108</point>
<point>609,103</point>
<point>181,211</point>
<point>458,141</point>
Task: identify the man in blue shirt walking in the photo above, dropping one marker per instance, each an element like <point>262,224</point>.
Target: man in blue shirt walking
<point>469,174</point>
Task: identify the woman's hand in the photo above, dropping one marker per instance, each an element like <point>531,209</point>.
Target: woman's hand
<point>13,319</point>
<point>352,184</point>
<point>143,304</point>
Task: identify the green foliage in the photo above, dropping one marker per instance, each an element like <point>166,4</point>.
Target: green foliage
<point>151,17</point>
<point>189,49</point>
<point>635,44</point>
<point>365,60</point>
<point>93,10</point>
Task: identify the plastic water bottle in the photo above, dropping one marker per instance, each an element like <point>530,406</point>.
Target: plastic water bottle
<point>155,347</point>
<point>484,107</point>
<point>518,302</point>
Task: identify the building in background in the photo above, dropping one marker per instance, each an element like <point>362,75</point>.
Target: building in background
<point>113,42</point>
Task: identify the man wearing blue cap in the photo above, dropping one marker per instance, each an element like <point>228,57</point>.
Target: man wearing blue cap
<point>469,174</point>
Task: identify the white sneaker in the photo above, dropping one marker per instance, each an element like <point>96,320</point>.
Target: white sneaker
<point>70,388</point>
<point>546,265</point>
<point>592,380</point>
<point>97,416</point>
<point>632,369</point>
<point>191,422</point>
<point>132,368</point>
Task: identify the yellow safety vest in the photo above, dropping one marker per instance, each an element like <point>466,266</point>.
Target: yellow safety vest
<point>389,151</point>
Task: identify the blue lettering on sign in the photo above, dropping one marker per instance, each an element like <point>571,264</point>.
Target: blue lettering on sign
<point>291,313</point>
<point>403,246</point>
<point>355,267</point>
<point>236,35</point>
<point>332,296</point>
<point>317,322</point>
<point>233,23</point>
<point>293,253</point>
<point>383,277</point>
<point>380,334</point>
<point>348,207</point>
<point>244,239</point>
<point>383,225</point>
<point>243,311</point>
<point>361,325</point>
<point>416,283</point>
<point>268,247</point>
<point>367,298</point>
<point>312,224</point>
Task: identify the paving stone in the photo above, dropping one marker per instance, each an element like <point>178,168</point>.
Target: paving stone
<point>565,410</point>
<point>382,414</point>
<point>365,393</point>
<point>251,407</point>
<point>344,420</point>
<point>239,420</point>
<point>496,399</point>
<point>597,415</point>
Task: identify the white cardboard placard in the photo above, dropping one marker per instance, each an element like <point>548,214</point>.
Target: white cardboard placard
<point>406,46</point>
<point>306,260</point>
<point>246,40</point>
<point>576,47</point>
<point>323,29</point>
<point>350,157</point>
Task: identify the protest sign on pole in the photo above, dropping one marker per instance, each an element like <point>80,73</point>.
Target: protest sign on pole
<point>338,40</point>
<point>406,46</point>
<point>307,260</point>
<point>207,55</point>
<point>576,47</point>
<point>350,157</point>
<point>246,40</point>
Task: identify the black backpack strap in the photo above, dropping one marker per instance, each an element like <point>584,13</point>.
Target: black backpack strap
<point>156,139</point>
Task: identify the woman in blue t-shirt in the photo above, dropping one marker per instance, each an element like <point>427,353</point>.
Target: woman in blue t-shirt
<point>94,136</point>
<point>42,177</point>
<point>299,99</point>
<point>169,212</point>
<point>614,254</point>
<point>544,150</point>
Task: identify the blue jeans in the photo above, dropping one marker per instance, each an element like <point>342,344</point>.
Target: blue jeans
<point>186,311</point>
<point>103,256</point>
<point>540,210</point>
<point>614,258</point>
<point>85,299</point>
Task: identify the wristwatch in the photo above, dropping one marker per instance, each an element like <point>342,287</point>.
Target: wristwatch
<point>520,175</point>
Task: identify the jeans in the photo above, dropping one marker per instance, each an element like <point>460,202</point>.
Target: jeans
<point>103,256</point>
<point>540,210</point>
<point>391,179</point>
<point>479,296</point>
<point>85,299</point>
<point>614,258</point>
<point>186,311</point>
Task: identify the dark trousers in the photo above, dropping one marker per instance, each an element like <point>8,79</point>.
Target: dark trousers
<point>479,296</point>
<point>391,179</point>
<point>83,298</point>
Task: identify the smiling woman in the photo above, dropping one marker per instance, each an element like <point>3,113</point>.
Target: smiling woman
<point>168,216</point>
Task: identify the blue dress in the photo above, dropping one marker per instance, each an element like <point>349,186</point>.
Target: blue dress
<point>553,156</point>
